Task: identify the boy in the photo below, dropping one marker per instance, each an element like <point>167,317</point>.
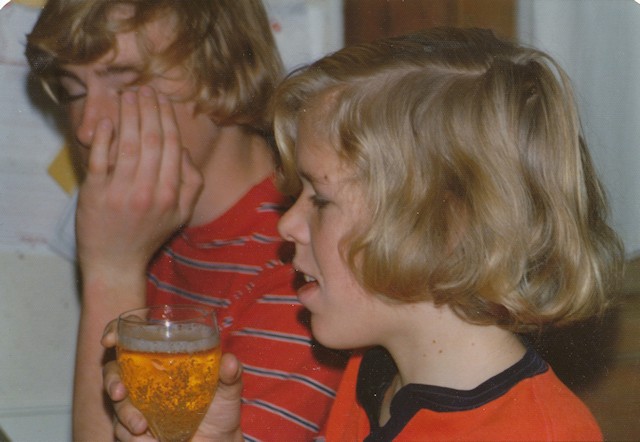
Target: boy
<point>446,203</point>
<point>181,90</point>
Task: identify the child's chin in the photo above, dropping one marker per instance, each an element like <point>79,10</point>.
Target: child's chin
<point>330,338</point>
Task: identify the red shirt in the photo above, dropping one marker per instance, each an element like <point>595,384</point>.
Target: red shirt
<point>525,402</point>
<point>233,264</point>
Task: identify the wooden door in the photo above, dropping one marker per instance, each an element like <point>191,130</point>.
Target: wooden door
<point>366,20</point>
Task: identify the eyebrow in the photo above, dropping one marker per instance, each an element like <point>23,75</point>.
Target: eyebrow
<point>108,71</point>
<point>117,69</point>
<point>307,176</point>
<point>313,179</point>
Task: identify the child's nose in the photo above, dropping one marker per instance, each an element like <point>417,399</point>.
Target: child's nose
<point>95,106</point>
<point>292,226</point>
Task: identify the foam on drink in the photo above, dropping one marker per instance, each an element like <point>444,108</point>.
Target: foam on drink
<point>180,338</point>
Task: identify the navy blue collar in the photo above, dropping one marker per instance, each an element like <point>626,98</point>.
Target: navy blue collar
<point>377,371</point>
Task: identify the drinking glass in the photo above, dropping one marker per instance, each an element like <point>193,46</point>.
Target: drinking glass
<point>169,356</point>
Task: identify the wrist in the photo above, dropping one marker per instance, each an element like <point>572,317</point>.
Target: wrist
<point>227,436</point>
<point>113,289</point>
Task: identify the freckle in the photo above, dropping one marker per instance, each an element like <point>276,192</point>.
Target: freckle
<point>440,351</point>
<point>433,342</point>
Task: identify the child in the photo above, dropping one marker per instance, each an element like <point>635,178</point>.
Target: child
<point>446,204</point>
<point>142,82</point>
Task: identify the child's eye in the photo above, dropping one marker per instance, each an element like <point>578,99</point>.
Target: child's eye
<point>66,91</point>
<point>65,97</point>
<point>318,201</point>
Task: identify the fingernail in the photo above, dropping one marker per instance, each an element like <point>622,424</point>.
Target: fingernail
<point>111,388</point>
<point>146,91</point>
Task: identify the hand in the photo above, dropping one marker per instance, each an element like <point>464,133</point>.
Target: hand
<point>221,423</point>
<point>128,209</point>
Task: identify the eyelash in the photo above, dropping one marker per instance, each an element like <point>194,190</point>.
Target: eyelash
<point>318,202</point>
<point>64,97</point>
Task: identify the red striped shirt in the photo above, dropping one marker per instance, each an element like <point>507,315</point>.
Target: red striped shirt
<point>233,263</point>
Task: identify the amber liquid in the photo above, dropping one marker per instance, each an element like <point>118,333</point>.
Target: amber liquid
<point>172,385</point>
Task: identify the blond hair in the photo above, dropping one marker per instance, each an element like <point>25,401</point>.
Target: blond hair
<point>482,192</point>
<point>226,46</point>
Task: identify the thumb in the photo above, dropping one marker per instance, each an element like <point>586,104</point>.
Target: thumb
<point>231,373</point>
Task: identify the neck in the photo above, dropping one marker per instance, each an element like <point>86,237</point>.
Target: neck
<point>436,347</point>
<point>439,348</point>
<point>239,160</point>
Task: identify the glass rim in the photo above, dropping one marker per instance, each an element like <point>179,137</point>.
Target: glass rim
<point>203,312</point>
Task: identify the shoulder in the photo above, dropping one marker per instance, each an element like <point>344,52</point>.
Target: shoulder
<point>563,413</point>
<point>266,196</point>
<point>347,420</point>
<point>537,408</point>
<point>526,402</point>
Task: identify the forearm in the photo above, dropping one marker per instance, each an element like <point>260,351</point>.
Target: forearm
<point>91,415</point>
<point>104,298</point>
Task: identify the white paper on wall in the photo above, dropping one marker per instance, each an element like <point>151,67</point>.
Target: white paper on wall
<point>305,30</point>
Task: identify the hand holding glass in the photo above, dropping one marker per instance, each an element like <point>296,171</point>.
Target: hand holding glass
<point>169,357</point>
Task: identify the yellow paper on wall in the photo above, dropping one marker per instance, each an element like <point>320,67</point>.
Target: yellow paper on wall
<point>31,3</point>
<point>61,170</point>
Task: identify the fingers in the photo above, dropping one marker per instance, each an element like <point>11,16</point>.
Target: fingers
<point>109,336</point>
<point>153,140</point>
<point>128,146</point>
<point>192,183</point>
<point>147,190</point>
<point>98,166</point>
<point>112,381</point>
<point>141,141</point>
<point>150,152</point>
<point>124,435</point>
<point>130,420</point>
<point>171,154</point>
<point>178,182</point>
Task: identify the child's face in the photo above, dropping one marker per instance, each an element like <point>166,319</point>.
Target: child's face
<point>343,314</point>
<point>94,91</point>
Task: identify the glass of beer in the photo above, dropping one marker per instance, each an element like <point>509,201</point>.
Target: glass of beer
<point>169,357</point>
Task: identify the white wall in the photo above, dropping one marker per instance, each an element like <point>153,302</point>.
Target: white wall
<point>39,305</point>
<point>38,301</point>
<point>598,44</point>
<point>37,341</point>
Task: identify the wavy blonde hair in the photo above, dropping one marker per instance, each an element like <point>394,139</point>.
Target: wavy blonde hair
<point>225,46</point>
<point>482,192</point>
